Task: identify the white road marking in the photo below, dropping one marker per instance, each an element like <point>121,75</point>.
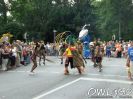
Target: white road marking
<point>18,71</point>
<point>107,75</point>
<point>21,71</point>
<point>90,79</point>
<point>107,80</point>
<point>56,89</point>
<point>54,72</point>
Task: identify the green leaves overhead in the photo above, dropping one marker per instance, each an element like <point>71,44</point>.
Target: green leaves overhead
<point>114,17</point>
<point>45,15</point>
<point>40,17</point>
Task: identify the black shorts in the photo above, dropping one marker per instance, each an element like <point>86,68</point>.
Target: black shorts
<point>69,60</point>
<point>98,59</point>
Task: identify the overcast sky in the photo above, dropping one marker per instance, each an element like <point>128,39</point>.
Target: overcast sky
<point>6,1</point>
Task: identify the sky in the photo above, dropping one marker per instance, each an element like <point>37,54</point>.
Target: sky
<point>6,1</point>
<point>98,0</point>
<point>8,13</point>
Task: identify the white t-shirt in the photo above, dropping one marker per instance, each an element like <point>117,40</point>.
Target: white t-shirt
<point>14,52</point>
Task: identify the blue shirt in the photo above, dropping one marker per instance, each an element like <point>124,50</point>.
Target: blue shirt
<point>108,48</point>
<point>130,53</point>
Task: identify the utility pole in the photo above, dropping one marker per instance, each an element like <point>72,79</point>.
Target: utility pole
<point>25,36</point>
<point>54,34</point>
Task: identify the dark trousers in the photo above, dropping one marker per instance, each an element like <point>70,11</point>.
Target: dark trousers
<point>119,54</point>
<point>13,60</point>
<point>69,60</point>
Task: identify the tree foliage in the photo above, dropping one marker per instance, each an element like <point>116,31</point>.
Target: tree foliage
<point>40,17</point>
<point>114,17</point>
<point>15,29</point>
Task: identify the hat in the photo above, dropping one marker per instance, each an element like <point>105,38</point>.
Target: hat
<point>86,42</point>
<point>91,44</point>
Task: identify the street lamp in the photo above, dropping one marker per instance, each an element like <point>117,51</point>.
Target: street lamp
<point>54,31</point>
<point>25,37</point>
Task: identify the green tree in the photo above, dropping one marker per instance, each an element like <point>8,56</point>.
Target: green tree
<point>15,29</point>
<point>40,17</point>
<point>3,11</point>
<point>114,17</point>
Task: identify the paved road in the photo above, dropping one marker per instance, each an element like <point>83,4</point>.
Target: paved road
<point>50,83</point>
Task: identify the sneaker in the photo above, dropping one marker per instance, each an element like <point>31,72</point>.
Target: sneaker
<point>31,73</point>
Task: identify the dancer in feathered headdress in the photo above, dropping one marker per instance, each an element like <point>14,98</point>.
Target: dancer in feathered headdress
<point>84,37</point>
<point>72,55</point>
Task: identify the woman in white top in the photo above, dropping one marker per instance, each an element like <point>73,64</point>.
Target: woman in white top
<point>13,55</point>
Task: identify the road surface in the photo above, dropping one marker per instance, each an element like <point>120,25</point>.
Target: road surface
<point>49,82</point>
